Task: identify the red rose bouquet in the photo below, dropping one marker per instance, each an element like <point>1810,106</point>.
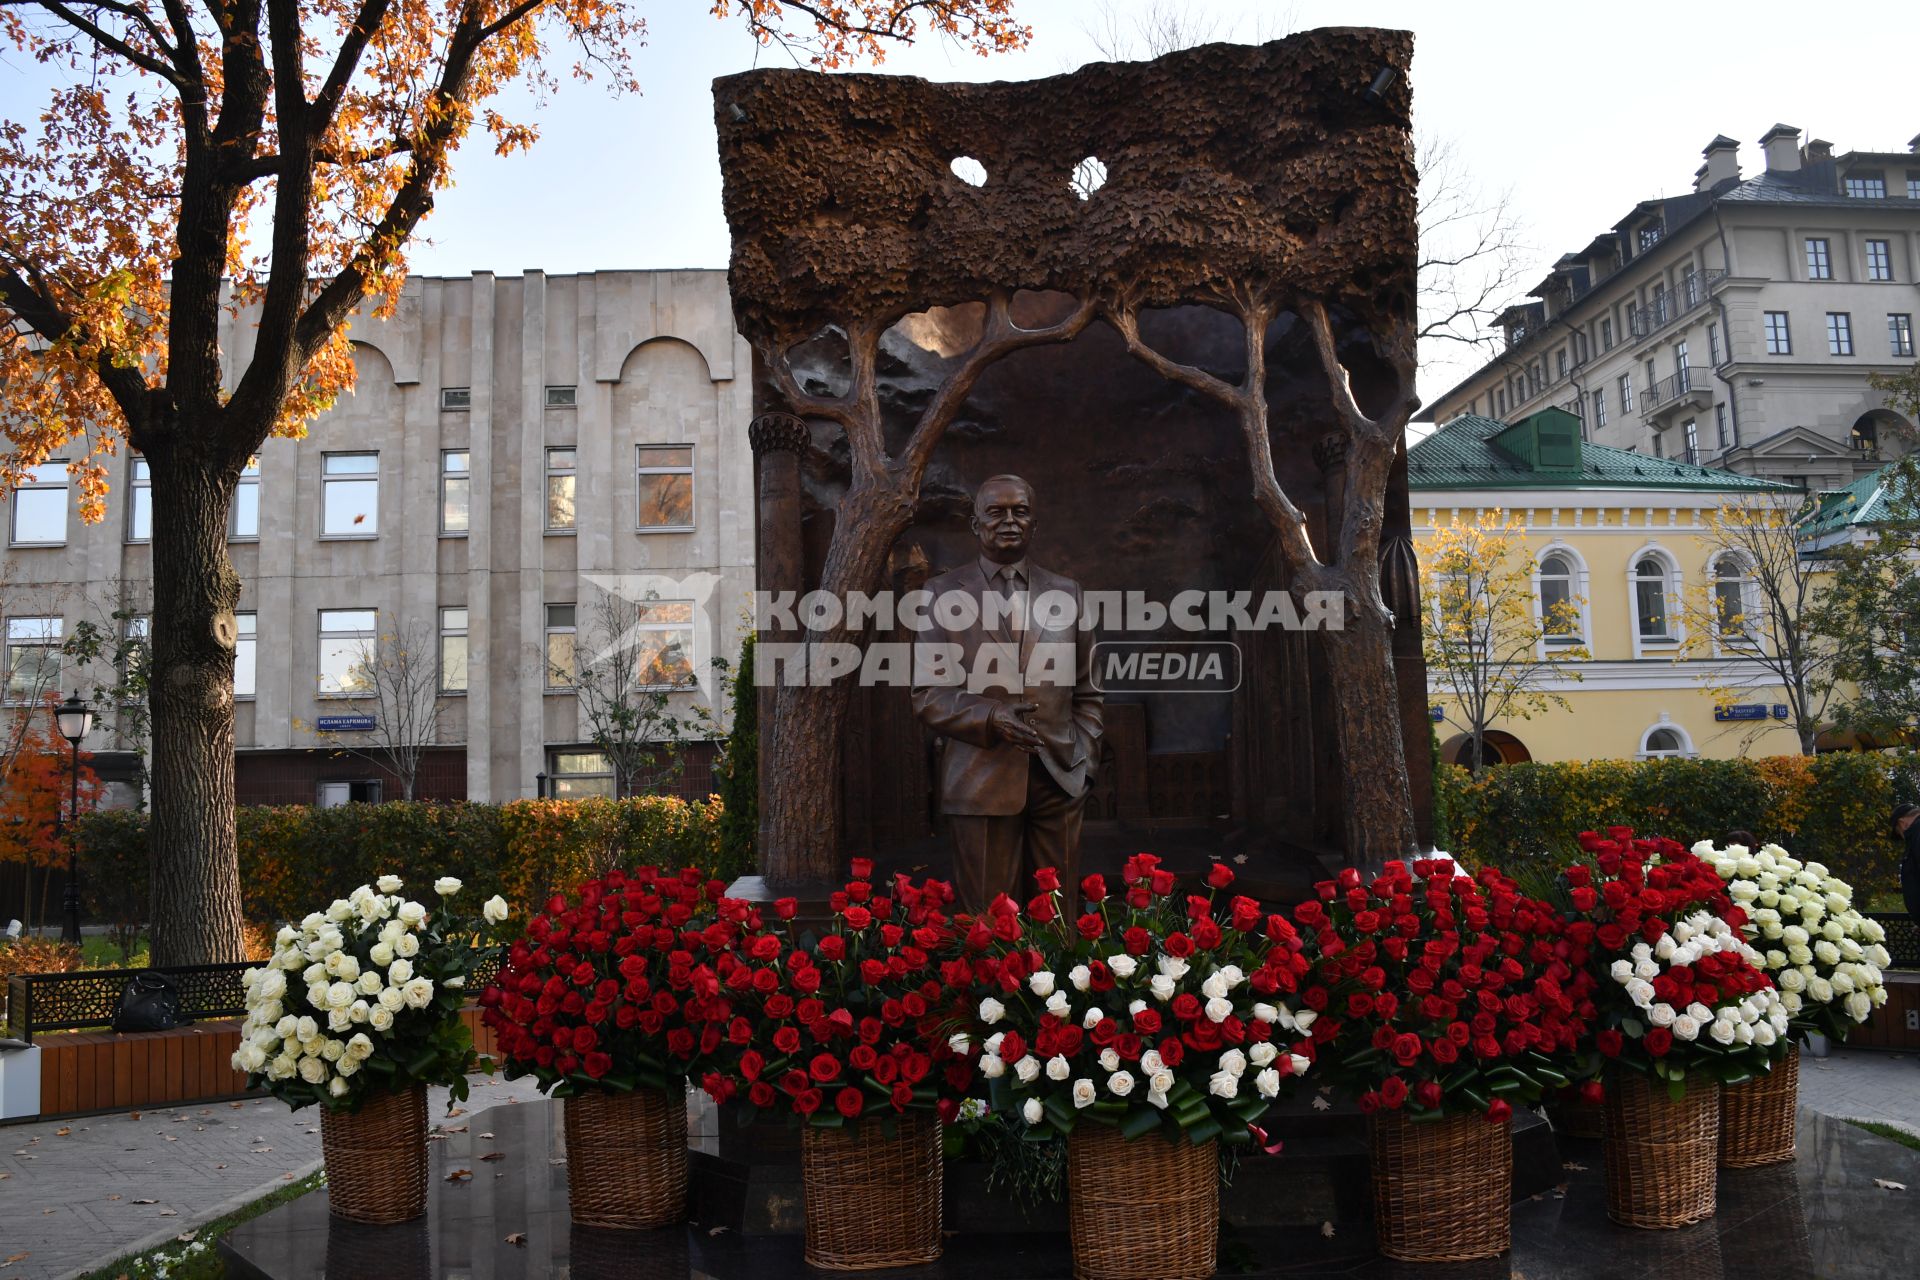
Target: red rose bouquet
<point>1146,1012</point>
<point>852,1023</point>
<point>1441,993</point>
<point>628,982</point>
<point>1679,989</point>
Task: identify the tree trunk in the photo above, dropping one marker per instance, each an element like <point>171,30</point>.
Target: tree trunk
<point>1379,798</point>
<point>196,915</point>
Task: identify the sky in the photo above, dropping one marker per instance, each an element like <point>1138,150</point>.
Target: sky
<point>1573,113</point>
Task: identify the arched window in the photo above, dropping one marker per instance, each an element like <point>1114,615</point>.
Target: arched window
<point>1732,596</point>
<point>1559,613</point>
<point>1652,585</point>
<point>1665,739</point>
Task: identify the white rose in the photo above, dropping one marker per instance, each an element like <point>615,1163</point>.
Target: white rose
<point>1792,980</point>
<point>407,945</point>
<point>411,914</point>
<point>1120,1084</point>
<point>1641,993</point>
<point>392,999</point>
<point>1661,1015</point>
<point>1262,1053</point>
<point>1109,1060</point>
<point>1223,1084</point>
<point>1151,1062</point>
<point>1699,1013</point>
<point>337,1087</point>
<point>1648,969</point>
<point>1040,982</point>
<point>1622,970</point>
<point>339,996</point>
<point>1826,953</point>
<point>494,910</point>
<point>1299,1063</point>
<point>1083,1093</point>
<point>359,1048</point>
<point>1172,967</point>
<point>959,1041</point>
<point>370,983</point>
<point>381,1019</point>
<point>346,1067</point>
<point>1721,1030</point>
<point>287,1028</point>
<point>419,993</point>
<point>1219,1010</point>
<point>1058,1068</point>
<point>1304,1019</point>
<point>1162,987</point>
<point>1267,1083</point>
<point>1820,990</point>
<point>1122,965</point>
<point>1080,976</point>
<point>306,1029</point>
<point>1686,1027</point>
<point>389,884</point>
<point>1233,1062</point>
<point>1215,987</point>
<point>381,954</point>
<point>1791,1002</point>
<point>993,1043</point>
<point>1134,1007</point>
<point>249,1058</point>
<point>313,1070</point>
<point>358,1011</point>
<point>1093,1017</point>
<point>1859,1006</point>
<point>1058,1006</point>
<point>992,1068</point>
<point>1161,1081</point>
<point>337,1020</point>
<point>1027,1069</point>
<point>1266,1013</point>
<point>447,886</point>
<point>1763,1033</point>
<point>991,1011</point>
<point>283,1068</point>
<point>1032,1111</point>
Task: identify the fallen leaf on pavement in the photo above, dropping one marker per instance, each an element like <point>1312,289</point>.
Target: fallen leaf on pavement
<point>487,1136</point>
<point>1889,1184</point>
<point>169,1213</point>
<point>456,1111</point>
<point>715,1231</point>
<point>1574,1166</point>
<point>61,1133</point>
<point>459,1175</point>
<point>494,1155</point>
<point>186,1237</point>
<point>145,1202</point>
<point>1321,1104</point>
<point>519,1238</point>
<point>1326,1229</point>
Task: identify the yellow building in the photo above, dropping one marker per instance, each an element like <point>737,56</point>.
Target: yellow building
<point>1625,538</point>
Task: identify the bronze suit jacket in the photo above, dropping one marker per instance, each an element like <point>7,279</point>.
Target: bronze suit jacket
<point>1050,665</point>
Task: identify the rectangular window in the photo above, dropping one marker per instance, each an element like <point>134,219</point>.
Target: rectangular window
<point>1713,345</point>
<point>1606,335</point>
<point>1693,440</point>
<point>572,775</point>
<point>139,501</point>
<point>1720,423</point>
<point>1626,393</point>
<point>244,654</point>
<point>332,795</point>
<point>1839,333</point>
<point>33,658</point>
<point>350,495</point>
<point>662,643</point>
<point>456,399</point>
<point>347,640</point>
<point>40,507</point>
<point>456,491</point>
<point>560,656</point>
<point>1501,396</point>
<point>665,486</point>
<point>562,398</point>
<point>1599,408</point>
<point>560,490</point>
<point>1913,186</point>
<point>1867,186</point>
<point>1653,381</point>
<point>1659,449</point>
<point>1819,260</point>
<point>243,520</point>
<point>1682,371</point>
<point>138,636</point>
<point>453,651</point>
<point>1560,362</point>
<point>1879,260</point>
<point>1779,341</point>
<point>1535,378</point>
<point>1900,335</point>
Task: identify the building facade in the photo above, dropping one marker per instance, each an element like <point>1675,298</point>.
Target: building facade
<point>1733,325</point>
<point>1624,540</point>
<point>515,450</point>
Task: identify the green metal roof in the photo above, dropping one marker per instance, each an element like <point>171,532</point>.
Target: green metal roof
<point>1872,499</point>
<point>1472,452</point>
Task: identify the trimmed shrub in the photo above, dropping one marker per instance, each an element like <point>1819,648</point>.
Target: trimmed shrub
<point>1831,808</point>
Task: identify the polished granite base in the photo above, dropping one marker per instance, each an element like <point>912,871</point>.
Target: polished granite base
<point>506,1219</point>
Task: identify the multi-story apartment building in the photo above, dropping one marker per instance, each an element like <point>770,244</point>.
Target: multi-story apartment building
<point>514,448</point>
<point>1734,325</point>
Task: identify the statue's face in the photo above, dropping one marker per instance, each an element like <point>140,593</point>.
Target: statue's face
<point>1003,520</point>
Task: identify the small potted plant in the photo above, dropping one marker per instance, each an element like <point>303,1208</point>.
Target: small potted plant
<point>1146,1031</point>
<point>1826,958</point>
<point>848,1033</point>
<point>614,997</point>
<point>358,1011</point>
<point>1446,1000</point>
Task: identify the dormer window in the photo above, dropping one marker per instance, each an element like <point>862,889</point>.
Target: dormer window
<point>1649,235</point>
<point>1867,186</point>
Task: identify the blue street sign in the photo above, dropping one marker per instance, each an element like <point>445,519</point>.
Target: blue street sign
<point>1741,711</point>
<point>344,724</point>
<point>1780,711</point>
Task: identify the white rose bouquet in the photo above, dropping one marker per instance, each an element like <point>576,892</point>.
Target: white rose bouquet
<point>365,997</point>
<point>1824,955</point>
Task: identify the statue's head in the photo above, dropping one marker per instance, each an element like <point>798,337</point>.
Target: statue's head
<point>1003,518</point>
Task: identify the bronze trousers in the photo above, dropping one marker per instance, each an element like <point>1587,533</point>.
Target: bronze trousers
<point>994,854</point>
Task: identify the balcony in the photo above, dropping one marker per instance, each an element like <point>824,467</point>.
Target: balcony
<point>1692,294</point>
<point>1687,388</point>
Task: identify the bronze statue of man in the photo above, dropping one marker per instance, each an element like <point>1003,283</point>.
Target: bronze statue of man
<point>1015,706</point>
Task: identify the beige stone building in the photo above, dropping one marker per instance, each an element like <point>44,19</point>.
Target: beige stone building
<point>515,448</point>
<point>1733,325</point>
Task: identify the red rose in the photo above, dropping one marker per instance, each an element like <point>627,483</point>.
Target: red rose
<point>862,1057</point>
<point>1609,1042</point>
<point>1179,945</point>
<point>1137,941</point>
<point>1427,1094</point>
<point>1584,899</point>
<point>848,1102</point>
<point>808,1101</point>
<point>1657,1041</point>
<point>786,908</point>
<point>1147,1022</point>
<point>598,1064</point>
<point>1406,1048</point>
<point>1393,1093</point>
<point>1186,1006</point>
<point>1445,1051</point>
<point>1172,1051</point>
<point>1499,1111</point>
<point>1594,1092</point>
<point>858,917</point>
<point>863,868</point>
<point>1094,888</point>
<point>1047,879</point>
<point>786,1040</point>
<point>1091,926</point>
<point>1219,876</point>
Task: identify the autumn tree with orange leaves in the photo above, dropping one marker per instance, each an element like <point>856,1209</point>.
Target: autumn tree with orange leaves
<point>180,131</point>
<point>34,796</point>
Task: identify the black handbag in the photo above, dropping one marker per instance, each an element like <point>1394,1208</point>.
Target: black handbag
<point>149,1002</point>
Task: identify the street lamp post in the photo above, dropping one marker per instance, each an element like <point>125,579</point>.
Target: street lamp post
<point>74,718</point>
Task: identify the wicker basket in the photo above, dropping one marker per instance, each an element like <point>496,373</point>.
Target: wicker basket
<point>872,1201</point>
<point>1442,1189</point>
<point>377,1158</point>
<point>1661,1154</point>
<point>1756,1118</point>
<point>627,1157</point>
<point>1142,1210</point>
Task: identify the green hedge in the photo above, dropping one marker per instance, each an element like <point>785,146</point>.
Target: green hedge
<point>1830,808</point>
<point>296,858</point>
